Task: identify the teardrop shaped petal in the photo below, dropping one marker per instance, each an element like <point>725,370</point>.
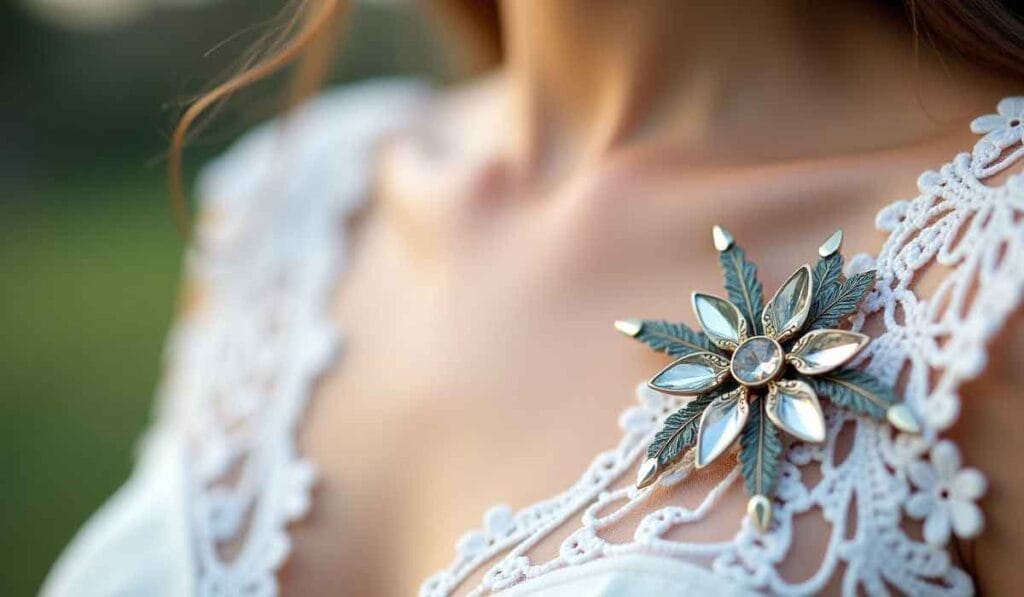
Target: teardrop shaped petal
<point>723,323</point>
<point>793,406</point>
<point>720,425</point>
<point>787,311</point>
<point>821,351</point>
<point>692,374</point>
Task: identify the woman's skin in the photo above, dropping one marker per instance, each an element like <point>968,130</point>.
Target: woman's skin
<point>526,211</point>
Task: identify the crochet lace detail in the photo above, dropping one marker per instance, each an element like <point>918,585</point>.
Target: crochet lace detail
<point>242,362</point>
<point>930,346</point>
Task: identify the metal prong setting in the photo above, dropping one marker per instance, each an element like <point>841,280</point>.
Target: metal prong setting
<point>832,244</point>
<point>902,418</point>
<point>648,473</point>
<point>629,327</point>
<point>722,237</point>
<point>759,509</point>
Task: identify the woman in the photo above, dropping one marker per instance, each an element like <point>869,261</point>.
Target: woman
<point>503,224</point>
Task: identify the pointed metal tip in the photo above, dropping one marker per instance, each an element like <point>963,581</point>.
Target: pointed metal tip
<point>832,244</point>
<point>648,473</point>
<point>902,418</point>
<point>723,238</point>
<point>759,509</point>
<point>629,327</point>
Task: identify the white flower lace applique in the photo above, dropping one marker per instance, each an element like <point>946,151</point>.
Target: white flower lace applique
<point>946,494</point>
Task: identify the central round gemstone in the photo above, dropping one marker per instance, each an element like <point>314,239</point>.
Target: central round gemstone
<point>757,361</point>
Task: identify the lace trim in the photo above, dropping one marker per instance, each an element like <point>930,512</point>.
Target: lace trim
<point>270,246</point>
<point>935,343</point>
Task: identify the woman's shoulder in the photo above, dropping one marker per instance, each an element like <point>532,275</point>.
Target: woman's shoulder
<point>321,148</point>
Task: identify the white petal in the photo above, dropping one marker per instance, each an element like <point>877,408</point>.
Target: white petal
<point>988,123</point>
<point>1011,107</point>
<point>936,527</point>
<point>967,519</point>
<point>946,460</point>
<point>920,504</point>
<point>968,484</point>
<point>922,474</point>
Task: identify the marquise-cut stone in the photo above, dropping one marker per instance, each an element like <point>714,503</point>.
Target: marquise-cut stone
<point>692,374</point>
<point>720,320</point>
<point>756,361</point>
<point>720,425</point>
<point>822,351</point>
<point>787,310</point>
<point>793,406</point>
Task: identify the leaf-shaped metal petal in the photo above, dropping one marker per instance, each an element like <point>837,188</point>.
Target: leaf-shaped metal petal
<point>720,425</point>
<point>793,406</point>
<point>692,374</point>
<point>821,351</point>
<point>722,322</point>
<point>787,311</point>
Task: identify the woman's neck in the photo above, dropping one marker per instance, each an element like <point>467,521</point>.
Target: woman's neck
<point>733,80</point>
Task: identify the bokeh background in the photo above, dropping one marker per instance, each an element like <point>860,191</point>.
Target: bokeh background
<point>89,258</point>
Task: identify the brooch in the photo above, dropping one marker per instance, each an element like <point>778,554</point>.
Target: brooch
<point>756,369</point>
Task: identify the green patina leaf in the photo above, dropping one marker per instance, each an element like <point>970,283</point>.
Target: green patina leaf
<point>742,285</point>
<point>828,273</point>
<point>760,450</point>
<point>674,339</point>
<point>679,431</point>
<point>836,301</point>
<point>855,390</point>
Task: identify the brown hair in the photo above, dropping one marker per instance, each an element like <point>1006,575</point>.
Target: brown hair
<point>307,38</point>
<point>986,32</point>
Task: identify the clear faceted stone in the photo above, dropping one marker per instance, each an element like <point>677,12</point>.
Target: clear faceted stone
<point>720,425</point>
<point>692,374</point>
<point>793,407</point>
<point>788,308</point>
<point>756,361</point>
<point>821,351</point>
<point>720,319</point>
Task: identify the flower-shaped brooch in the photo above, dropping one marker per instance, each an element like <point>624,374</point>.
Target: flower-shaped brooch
<point>756,369</point>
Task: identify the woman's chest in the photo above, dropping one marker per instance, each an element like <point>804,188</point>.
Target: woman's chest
<point>481,367</point>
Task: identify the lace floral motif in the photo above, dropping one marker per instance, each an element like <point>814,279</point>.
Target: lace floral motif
<point>934,343</point>
<point>242,363</point>
<point>945,495</point>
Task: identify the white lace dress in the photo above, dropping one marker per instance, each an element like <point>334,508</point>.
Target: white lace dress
<point>219,478</point>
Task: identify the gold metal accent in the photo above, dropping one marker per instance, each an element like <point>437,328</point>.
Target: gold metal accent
<point>648,473</point>
<point>720,425</point>
<point>902,418</point>
<point>759,509</point>
<point>832,244</point>
<point>723,238</point>
<point>819,351</point>
<point>629,327</point>
<point>793,314</point>
<point>794,408</point>
<point>721,321</point>
<point>706,371</point>
<point>778,369</point>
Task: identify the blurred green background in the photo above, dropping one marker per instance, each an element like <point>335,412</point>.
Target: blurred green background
<point>89,259</point>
